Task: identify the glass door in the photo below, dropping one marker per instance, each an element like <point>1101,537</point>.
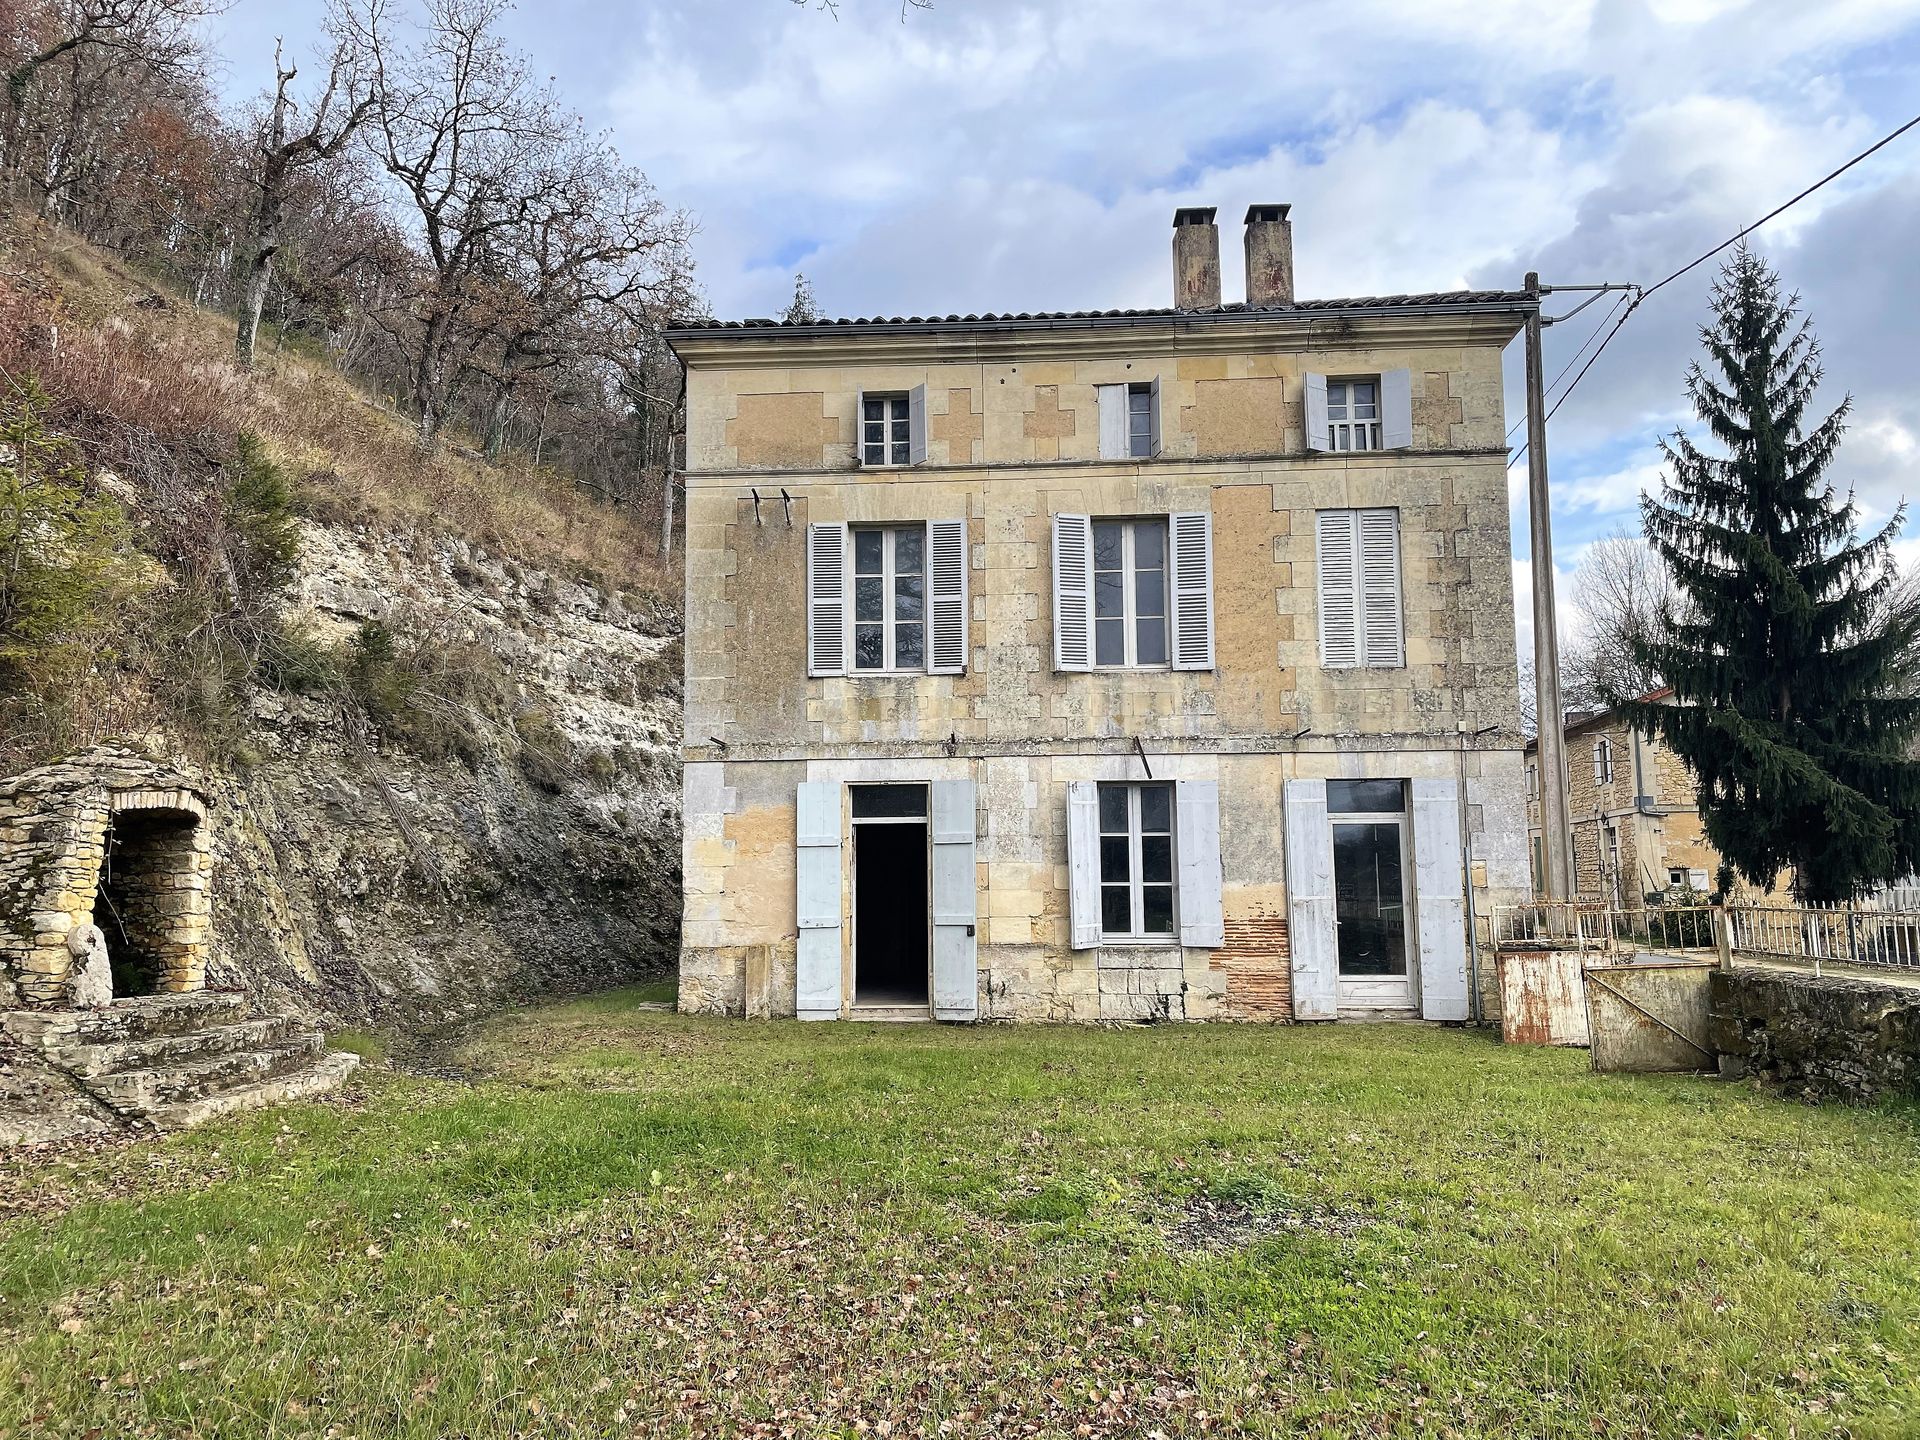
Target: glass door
<point>1370,895</point>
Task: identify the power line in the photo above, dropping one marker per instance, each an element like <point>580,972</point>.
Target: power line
<point>1598,326</point>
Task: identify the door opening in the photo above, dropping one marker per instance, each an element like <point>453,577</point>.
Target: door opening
<point>137,903</point>
<point>1370,894</point>
<point>892,914</point>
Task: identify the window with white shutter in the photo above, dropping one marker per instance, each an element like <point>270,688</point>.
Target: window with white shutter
<point>947,597</point>
<point>827,599</point>
<point>1358,412</point>
<point>1129,420</point>
<point>1358,558</point>
<point>893,426</point>
<point>1072,592</point>
<point>1192,547</point>
<point>1603,761</point>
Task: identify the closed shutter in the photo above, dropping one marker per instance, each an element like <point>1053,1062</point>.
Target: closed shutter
<point>917,426</point>
<point>947,597</point>
<point>1153,417</point>
<point>1072,592</point>
<point>859,427</point>
<point>817,867</point>
<point>827,599</point>
<point>1439,900</point>
<point>1192,541</point>
<point>1338,571</point>
<point>956,971</point>
<point>1396,410</point>
<point>1314,411</point>
<point>1083,864</point>
<point>1311,932</point>
<point>1113,421</point>
<point>1382,641</point>
<point>1196,817</point>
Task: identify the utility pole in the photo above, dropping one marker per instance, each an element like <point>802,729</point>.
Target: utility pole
<point>1548,715</point>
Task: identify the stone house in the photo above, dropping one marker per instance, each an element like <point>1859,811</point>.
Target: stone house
<point>1120,665</point>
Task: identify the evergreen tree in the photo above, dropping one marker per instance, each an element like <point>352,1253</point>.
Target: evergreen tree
<point>1786,659</point>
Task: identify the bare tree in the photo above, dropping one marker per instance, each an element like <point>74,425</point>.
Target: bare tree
<point>1624,594</point>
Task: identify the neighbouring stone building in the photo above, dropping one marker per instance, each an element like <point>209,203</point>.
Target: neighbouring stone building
<point>1117,665</point>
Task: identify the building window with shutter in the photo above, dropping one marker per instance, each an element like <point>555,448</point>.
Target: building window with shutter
<point>1136,862</point>
<point>889,598</point>
<point>1353,414</point>
<point>1603,762</point>
<point>1358,554</point>
<point>1129,420</point>
<point>1533,782</point>
<point>1129,594</point>
<point>886,435</point>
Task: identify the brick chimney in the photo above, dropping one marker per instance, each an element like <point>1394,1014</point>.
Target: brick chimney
<point>1196,259</point>
<point>1269,256</point>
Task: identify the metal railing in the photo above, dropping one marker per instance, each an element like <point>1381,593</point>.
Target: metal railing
<point>1865,933</point>
<point>1881,932</point>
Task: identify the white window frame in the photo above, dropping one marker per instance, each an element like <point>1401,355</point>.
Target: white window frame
<point>889,576</point>
<point>1345,432</point>
<point>1137,934</point>
<point>1603,761</point>
<point>1533,781</point>
<point>896,421</point>
<point>1129,598</point>
<point>1140,420</point>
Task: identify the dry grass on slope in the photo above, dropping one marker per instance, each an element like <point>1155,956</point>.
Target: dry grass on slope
<point>132,367</point>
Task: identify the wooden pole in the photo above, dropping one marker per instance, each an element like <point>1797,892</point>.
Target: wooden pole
<point>1549,717</point>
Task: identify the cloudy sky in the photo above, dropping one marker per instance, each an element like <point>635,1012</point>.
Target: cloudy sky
<point>1028,154</point>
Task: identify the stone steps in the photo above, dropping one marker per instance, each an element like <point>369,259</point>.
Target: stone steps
<point>140,1018</point>
<point>111,1057</point>
<point>141,1092</point>
<point>316,1079</point>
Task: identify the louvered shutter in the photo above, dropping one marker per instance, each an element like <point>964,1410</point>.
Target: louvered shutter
<point>817,871</point>
<point>827,599</point>
<point>946,597</point>
<point>1439,900</point>
<point>956,970</point>
<point>1196,817</point>
<point>1113,421</point>
<point>917,426</point>
<point>1382,643</point>
<point>1072,592</point>
<point>859,427</point>
<point>1314,393</point>
<point>1338,573</point>
<point>1312,933</point>
<point>1083,864</point>
<point>1396,410</point>
<point>1192,543</point>
<point>1153,417</point>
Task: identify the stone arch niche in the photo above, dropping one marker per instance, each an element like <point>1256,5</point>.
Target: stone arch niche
<point>111,838</point>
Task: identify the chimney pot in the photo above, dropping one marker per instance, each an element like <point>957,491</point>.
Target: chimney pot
<point>1196,258</point>
<point>1269,256</point>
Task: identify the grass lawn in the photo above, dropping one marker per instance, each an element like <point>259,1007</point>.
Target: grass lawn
<point>634,1222</point>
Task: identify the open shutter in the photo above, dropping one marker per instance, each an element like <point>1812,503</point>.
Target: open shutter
<point>946,597</point>
<point>1196,816</point>
<point>1396,410</point>
<point>1439,899</point>
<point>859,427</point>
<point>827,599</point>
<point>1192,537</point>
<point>1113,421</point>
<point>1073,592</point>
<point>817,954</point>
<point>956,971</point>
<point>1083,864</point>
<point>1315,410</point>
<point>917,426</point>
<point>1338,574</point>
<point>1153,417</point>
<point>1311,932</point>
<point>1382,642</point>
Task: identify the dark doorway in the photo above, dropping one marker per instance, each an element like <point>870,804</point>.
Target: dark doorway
<point>890,911</point>
<point>137,904</point>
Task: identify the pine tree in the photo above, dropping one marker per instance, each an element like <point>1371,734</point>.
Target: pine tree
<point>1784,653</point>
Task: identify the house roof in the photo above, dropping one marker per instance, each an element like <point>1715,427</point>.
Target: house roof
<point>1578,720</point>
<point>1446,302</point>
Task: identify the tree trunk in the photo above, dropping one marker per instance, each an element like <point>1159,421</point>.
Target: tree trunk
<point>259,274</point>
<point>429,386</point>
<point>497,422</point>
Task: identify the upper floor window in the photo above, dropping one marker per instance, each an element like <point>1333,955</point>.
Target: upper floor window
<point>1358,554</point>
<point>1358,412</point>
<point>1603,761</point>
<point>1129,593</point>
<point>889,598</point>
<point>1133,593</point>
<point>1136,861</point>
<point>1129,420</point>
<point>886,434</point>
<point>1353,414</point>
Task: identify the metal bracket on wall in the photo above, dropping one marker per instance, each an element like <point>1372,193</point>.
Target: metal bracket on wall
<point>786,504</point>
<point>756,506</point>
<point>1141,751</point>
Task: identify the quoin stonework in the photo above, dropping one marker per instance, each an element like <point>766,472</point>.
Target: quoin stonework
<point>1102,666</point>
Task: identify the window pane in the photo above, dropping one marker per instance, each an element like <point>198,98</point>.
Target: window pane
<point>1150,546</point>
<point>867,604</point>
<point>1156,904</point>
<point>900,432</point>
<point>1336,401</point>
<point>889,802</point>
<point>907,547</point>
<point>1156,858</point>
<point>1113,809</point>
<point>902,453</point>
<point>1156,809</point>
<point>873,455</point>
<point>1110,642</point>
<point>907,601</point>
<point>1139,401</point>
<point>869,647</point>
<point>1150,643</point>
<point>1106,545</point>
<point>875,409</point>
<point>1109,596</point>
<point>867,549</point>
<point>1116,910</point>
<point>1113,857</point>
<point>1362,797</point>
<point>1140,442</point>
<point>907,654</point>
<point>1150,592</point>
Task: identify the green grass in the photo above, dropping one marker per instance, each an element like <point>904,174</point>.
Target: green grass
<point>642,1223</point>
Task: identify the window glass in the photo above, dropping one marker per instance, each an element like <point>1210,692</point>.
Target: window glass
<point>1136,860</point>
<point>1353,414</point>
<point>1129,592</point>
<point>885,431</point>
<point>889,598</point>
<point>1366,797</point>
<point>1139,420</point>
<point>889,802</point>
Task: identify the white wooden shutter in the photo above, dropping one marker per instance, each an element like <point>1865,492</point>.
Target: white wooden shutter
<point>1196,817</point>
<point>1599,762</point>
<point>1153,417</point>
<point>860,427</point>
<point>917,426</point>
<point>817,868</point>
<point>1113,421</point>
<point>1083,864</point>
<point>827,599</point>
<point>956,970</point>
<point>1396,410</point>
<point>1073,592</point>
<point>1191,538</point>
<point>1314,394</point>
<point>1339,581</point>
<point>1382,643</point>
<point>1439,900</point>
<point>1312,933</point>
<point>946,597</point>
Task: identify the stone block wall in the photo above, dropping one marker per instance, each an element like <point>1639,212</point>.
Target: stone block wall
<point>1817,1037</point>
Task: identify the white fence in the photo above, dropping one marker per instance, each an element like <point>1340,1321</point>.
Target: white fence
<point>1879,933</point>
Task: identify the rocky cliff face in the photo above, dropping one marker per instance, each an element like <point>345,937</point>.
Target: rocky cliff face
<point>358,876</point>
